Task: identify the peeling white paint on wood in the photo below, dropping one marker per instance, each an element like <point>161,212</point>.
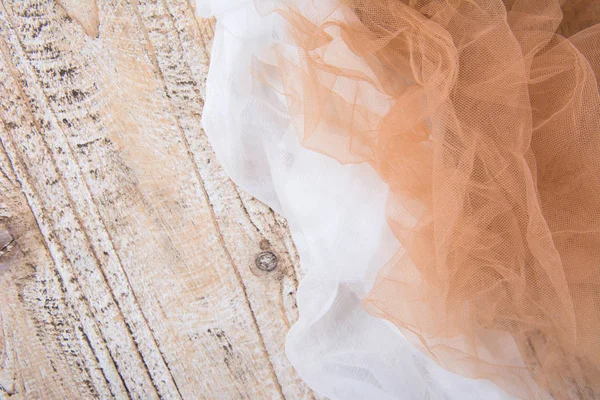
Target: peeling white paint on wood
<point>127,257</point>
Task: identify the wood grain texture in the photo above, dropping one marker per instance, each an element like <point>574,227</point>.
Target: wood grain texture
<point>127,257</point>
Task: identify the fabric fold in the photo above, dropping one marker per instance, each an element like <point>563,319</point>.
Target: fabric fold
<point>438,162</point>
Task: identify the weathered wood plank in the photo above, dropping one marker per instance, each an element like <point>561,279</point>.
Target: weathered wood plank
<point>131,265</point>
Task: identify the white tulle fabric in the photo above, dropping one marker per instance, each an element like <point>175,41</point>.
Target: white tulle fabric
<point>336,214</point>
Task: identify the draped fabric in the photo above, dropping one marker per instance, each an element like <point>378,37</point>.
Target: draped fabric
<point>472,128</point>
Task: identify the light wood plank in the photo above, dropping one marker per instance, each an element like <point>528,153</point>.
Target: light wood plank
<point>128,265</point>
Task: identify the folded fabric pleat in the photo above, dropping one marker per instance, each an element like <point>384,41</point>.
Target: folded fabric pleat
<point>337,219</point>
<point>438,162</point>
<point>484,123</point>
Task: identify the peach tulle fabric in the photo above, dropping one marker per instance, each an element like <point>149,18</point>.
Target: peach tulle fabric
<point>485,124</point>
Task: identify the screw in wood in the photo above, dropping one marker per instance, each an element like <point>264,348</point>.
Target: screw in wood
<point>266,261</point>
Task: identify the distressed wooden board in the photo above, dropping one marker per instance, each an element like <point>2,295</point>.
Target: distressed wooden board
<point>127,257</point>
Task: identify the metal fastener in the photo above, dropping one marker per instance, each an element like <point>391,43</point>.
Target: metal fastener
<point>266,261</point>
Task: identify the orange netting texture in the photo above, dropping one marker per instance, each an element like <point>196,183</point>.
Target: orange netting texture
<point>483,117</point>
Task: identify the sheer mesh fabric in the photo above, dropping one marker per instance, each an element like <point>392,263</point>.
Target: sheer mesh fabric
<point>484,122</point>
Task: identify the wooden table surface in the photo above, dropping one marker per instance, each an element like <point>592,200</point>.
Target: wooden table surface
<point>130,265</point>
<point>128,259</point>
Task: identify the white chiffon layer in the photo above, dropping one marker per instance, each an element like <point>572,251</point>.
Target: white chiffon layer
<point>336,214</point>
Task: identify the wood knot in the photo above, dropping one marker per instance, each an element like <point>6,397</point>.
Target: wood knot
<point>266,261</point>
